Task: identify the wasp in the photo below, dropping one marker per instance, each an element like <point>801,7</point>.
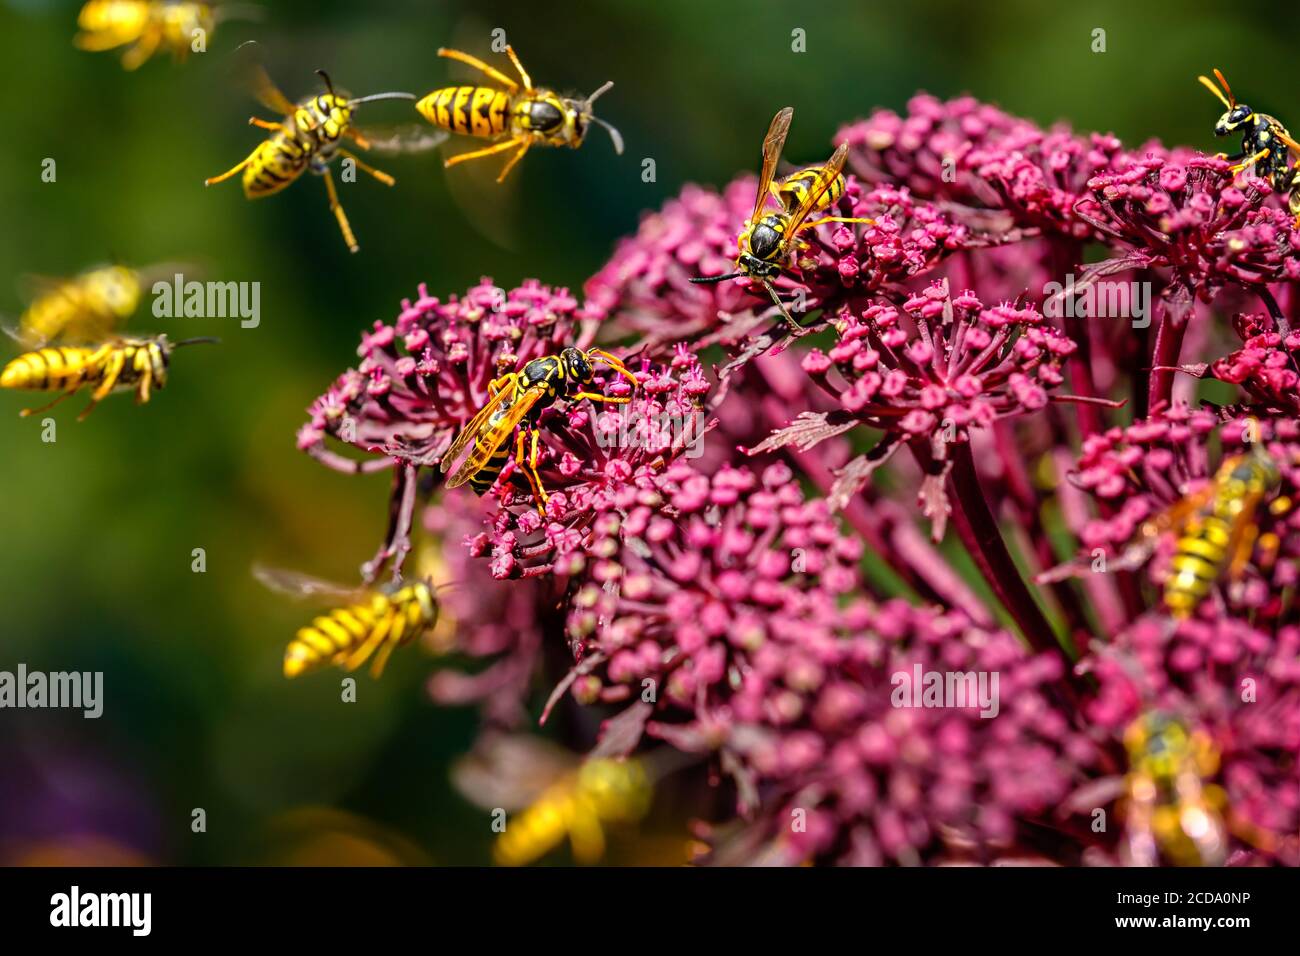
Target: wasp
<point>1265,142</point>
<point>518,117</point>
<point>86,307</point>
<point>120,364</point>
<point>368,622</point>
<point>551,795</point>
<point>768,238</point>
<point>1170,809</point>
<point>149,25</point>
<point>1216,528</point>
<point>518,398</point>
<point>309,137</point>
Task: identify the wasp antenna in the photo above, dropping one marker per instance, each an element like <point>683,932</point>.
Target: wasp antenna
<point>615,136</point>
<point>329,85</point>
<point>201,340</point>
<point>709,280</point>
<point>1206,82</point>
<point>1226,88</point>
<point>795,328</point>
<point>381,96</point>
<point>601,91</point>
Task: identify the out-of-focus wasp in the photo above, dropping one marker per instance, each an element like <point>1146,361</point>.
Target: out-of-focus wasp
<point>119,364</point>
<point>768,239</point>
<point>367,621</point>
<point>519,117</point>
<point>150,25</point>
<point>1265,142</point>
<point>86,307</point>
<point>550,794</point>
<point>309,137</point>
<point>519,398</point>
<point>1171,811</point>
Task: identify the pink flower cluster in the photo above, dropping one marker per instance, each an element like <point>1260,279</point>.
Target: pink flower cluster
<point>734,565</point>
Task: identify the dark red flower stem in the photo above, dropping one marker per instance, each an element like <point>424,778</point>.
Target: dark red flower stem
<point>982,538</point>
<point>1174,316</point>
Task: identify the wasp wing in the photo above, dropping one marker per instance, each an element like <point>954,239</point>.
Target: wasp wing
<point>496,435</point>
<point>470,431</point>
<point>402,138</point>
<point>510,771</point>
<point>254,76</point>
<point>773,143</point>
<point>829,173</point>
<point>299,585</point>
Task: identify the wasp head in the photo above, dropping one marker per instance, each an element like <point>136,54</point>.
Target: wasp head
<point>576,365</point>
<point>579,116</point>
<point>1231,121</point>
<point>751,265</point>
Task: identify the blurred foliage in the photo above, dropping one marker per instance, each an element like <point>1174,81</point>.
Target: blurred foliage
<point>98,527</point>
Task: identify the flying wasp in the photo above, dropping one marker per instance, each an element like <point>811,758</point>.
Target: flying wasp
<point>768,239</point>
<point>1265,142</point>
<point>518,398</point>
<point>309,137</point>
<point>367,622</point>
<point>120,364</point>
<point>150,25</point>
<point>551,795</point>
<point>86,307</point>
<point>518,117</point>
<point>1170,809</point>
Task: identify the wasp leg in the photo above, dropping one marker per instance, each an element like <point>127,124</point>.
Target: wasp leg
<point>486,151</point>
<point>826,219</point>
<point>1251,160</point>
<point>136,57</point>
<point>514,159</point>
<point>480,66</point>
<point>145,368</point>
<point>97,42</point>
<point>111,374</point>
<point>264,124</point>
<point>336,207</point>
<point>48,405</point>
<point>529,468</point>
<point>523,74</point>
<point>359,656</point>
<point>227,174</point>
<point>379,174</point>
<point>597,397</point>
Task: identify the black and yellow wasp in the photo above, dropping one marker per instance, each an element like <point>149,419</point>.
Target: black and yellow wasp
<point>768,239</point>
<point>1171,810</point>
<point>309,137</point>
<point>84,308</point>
<point>1217,529</point>
<point>151,25</point>
<point>1265,142</point>
<point>119,364</point>
<point>518,398</point>
<point>551,793</point>
<point>366,621</point>
<point>519,117</point>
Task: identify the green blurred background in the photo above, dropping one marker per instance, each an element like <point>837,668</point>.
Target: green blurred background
<point>97,528</point>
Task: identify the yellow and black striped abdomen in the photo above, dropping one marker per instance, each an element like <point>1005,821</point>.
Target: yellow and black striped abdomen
<point>52,369</point>
<point>483,479</point>
<point>1199,559</point>
<point>481,111</point>
<point>332,637</point>
<point>796,187</point>
<point>348,636</point>
<point>275,163</point>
